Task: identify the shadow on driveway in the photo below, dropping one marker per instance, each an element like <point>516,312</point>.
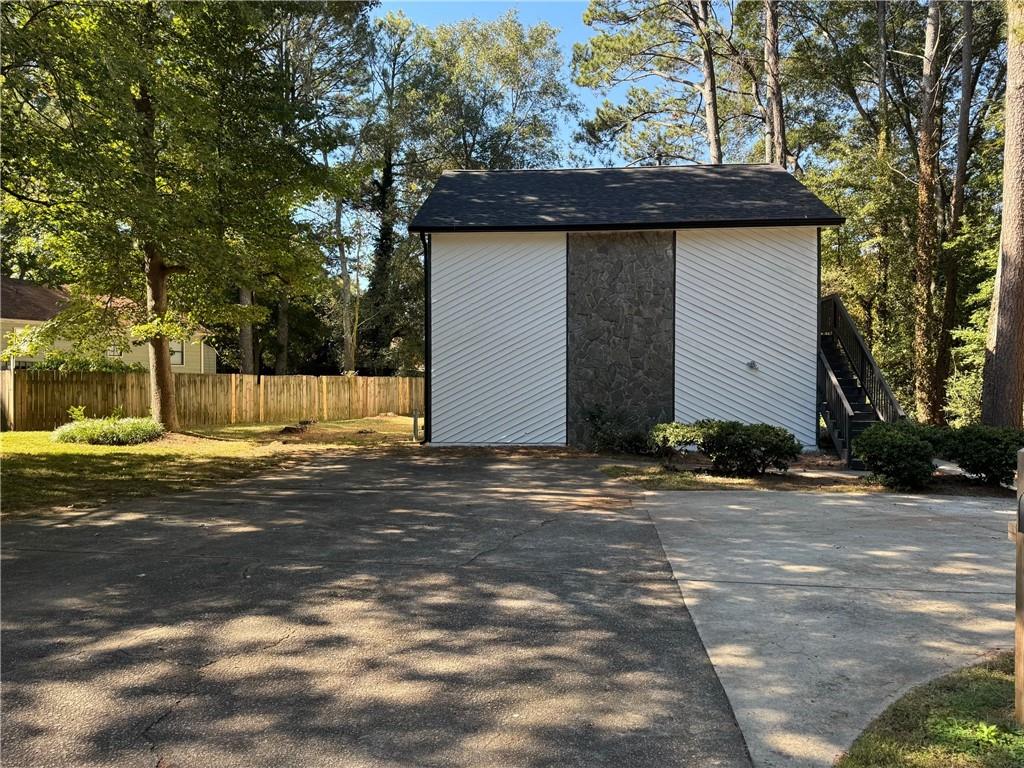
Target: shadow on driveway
<point>358,611</point>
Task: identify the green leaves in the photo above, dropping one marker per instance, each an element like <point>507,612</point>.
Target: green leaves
<point>212,190</point>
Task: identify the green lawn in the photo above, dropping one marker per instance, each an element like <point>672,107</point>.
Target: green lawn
<point>36,472</point>
<point>963,720</point>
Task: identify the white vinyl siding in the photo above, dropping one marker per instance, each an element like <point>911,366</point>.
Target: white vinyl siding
<point>497,338</point>
<point>748,294</point>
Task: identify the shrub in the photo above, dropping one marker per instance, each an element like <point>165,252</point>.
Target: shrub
<point>941,439</point>
<point>987,452</point>
<point>896,454</point>
<point>615,432</point>
<point>109,431</point>
<point>668,438</point>
<point>70,362</point>
<point>746,449</point>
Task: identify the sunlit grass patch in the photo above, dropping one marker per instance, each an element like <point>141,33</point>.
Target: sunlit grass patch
<point>36,472</point>
<point>963,720</point>
<point>654,477</point>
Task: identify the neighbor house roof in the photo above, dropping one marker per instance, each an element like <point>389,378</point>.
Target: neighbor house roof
<point>661,197</point>
<point>22,300</point>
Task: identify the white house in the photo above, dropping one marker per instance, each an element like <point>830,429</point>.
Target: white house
<point>652,293</point>
<point>26,304</point>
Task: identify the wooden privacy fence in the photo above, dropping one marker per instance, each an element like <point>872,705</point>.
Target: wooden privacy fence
<point>40,399</point>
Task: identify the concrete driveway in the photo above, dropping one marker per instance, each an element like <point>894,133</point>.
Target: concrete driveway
<point>818,610</point>
<point>374,611</point>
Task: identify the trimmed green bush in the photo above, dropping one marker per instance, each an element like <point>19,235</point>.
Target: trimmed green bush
<point>897,455</point>
<point>734,448</point>
<point>747,449</point>
<point>668,438</point>
<point>109,431</point>
<point>941,439</point>
<point>987,452</point>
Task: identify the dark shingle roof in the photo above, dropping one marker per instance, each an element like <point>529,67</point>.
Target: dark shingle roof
<point>661,197</point>
<point>22,300</point>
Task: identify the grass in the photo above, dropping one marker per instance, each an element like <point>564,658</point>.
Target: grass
<point>36,472</point>
<point>963,720</point>
<point>655,477</point>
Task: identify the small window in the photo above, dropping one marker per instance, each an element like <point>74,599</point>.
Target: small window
<point>177,352</point>
<point>113,352</point>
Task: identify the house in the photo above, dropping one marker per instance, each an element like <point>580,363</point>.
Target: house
<point>25,304</point>
<point>651,293</point>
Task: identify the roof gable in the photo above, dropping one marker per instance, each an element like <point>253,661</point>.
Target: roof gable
<point>660,197</point>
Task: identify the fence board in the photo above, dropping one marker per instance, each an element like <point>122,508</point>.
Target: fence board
<point>40,399</point>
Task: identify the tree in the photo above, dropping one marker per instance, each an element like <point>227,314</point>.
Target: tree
<point>1003,394</point>
<point>141,136</point>
<point>927,391</point>
<point>671,44</point>
<point>402,84</point>
<point>318,50</point>
<point>776,122</point>
<point>865,160</point>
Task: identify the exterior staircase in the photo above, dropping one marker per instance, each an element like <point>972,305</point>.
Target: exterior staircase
<point>852,392</point>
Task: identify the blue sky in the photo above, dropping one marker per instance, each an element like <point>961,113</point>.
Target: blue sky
<point>565,15</point>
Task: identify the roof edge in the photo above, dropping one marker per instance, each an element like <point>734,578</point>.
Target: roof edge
<point>731,223</point>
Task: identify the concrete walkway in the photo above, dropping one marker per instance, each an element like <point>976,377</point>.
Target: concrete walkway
<point>358,612</point>
<point>820,609</point>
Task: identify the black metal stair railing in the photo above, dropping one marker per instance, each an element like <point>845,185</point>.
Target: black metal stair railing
<point>836,411</point>
<point>835,321</point>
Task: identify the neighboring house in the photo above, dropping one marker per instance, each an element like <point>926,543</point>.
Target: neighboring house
<point>24,304</point>
<point>650,294</point>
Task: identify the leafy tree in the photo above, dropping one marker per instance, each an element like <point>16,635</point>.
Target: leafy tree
<point>318,51</point>
<point>142,137</point>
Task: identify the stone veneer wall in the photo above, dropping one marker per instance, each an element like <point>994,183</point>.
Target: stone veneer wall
<point>621,308</point>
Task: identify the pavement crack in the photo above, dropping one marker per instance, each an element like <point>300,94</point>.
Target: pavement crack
<point>267,647</point>
<point>506,542</point>
<point>144,733</point>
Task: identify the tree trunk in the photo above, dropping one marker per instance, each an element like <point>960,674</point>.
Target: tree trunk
<point>773,83</point>
<point>162,403</point>
<point>379,330</point>
<point>709,87</point>
<point>349,300</point>
<point>950,262</point>
<point>882,72</point>
<point>246,360</point>
<point>927,399</point>
<point>281,362</point>
<point>162,406</point>
<point>1002,399</point>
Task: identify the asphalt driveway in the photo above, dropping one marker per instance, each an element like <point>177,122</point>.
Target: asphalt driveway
<point>820,609</point>
<point>371,611</point>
